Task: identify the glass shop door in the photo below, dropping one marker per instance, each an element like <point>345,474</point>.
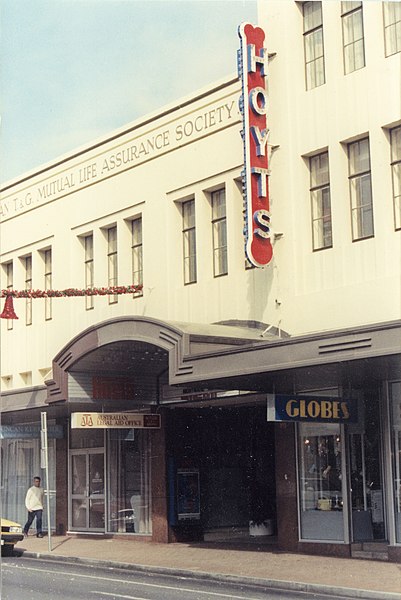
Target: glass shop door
<point>87,498</point>
<point>366,475</point>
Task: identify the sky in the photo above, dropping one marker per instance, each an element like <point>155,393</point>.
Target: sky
<point>74,70</point>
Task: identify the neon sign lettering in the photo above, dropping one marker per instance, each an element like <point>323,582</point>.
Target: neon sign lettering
<point>252,68</point>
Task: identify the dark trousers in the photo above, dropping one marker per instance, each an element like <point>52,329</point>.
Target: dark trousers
<point>31,515</point>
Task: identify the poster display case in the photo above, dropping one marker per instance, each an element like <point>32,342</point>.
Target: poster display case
<point>188,494</point>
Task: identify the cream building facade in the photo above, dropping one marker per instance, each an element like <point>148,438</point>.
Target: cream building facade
<point>208,340</point>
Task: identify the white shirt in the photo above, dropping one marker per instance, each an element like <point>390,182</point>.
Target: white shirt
<point>34,498</point>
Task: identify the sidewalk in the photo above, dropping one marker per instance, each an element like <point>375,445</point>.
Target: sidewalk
<point>256,564</point>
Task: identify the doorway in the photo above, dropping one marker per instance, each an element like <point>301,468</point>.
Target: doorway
<point>87,498</point>
<point>232,448</point>
<point>366,474</point>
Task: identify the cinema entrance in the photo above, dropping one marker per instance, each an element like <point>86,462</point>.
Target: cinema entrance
<point>230,450</point>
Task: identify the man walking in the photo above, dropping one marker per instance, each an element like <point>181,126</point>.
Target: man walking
<point>34,505</point>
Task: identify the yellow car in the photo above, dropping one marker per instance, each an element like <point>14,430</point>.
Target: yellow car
<point>11,533</point>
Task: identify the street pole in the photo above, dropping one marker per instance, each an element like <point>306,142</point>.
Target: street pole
<point>44,456</point>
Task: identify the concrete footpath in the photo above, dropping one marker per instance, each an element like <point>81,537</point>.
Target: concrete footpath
<point>253,563</point>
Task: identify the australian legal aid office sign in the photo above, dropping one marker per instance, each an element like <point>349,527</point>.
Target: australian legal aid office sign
<point>92,420</point>
<point>252,69</point>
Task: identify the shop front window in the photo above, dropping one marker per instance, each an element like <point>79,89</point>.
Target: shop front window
<point>321,481</point>
<point>20,462</point>
<point>395,398</point>
<point>129,498</point>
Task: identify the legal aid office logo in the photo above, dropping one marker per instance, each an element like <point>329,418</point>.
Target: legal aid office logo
<point>86,420</point>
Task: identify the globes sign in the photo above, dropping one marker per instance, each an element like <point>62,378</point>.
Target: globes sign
<point>252,69</point>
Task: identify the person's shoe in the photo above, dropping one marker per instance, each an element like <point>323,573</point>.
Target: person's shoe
<point>39,535</point>
<point>25,534</point>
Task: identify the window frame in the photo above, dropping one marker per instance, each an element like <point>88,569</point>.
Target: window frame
<point>357,177</point>
<point>311,34</point>
<point>89,263</point>
<point>48,275</point>
<point>396,176</point>
<point>219,233</point>
<point>189,242</point>
<point>112,261</point>
<point>349,13</point>
<point>388,27</point>
<point>9,269</point>
<point>137,254</point>
<point>316,190</point>
<point>321,475</point>
<point>28,286</point>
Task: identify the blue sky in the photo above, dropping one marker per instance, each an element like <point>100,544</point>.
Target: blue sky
<point>73,70</point>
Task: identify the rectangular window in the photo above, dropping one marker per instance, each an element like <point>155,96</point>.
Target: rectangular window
<point>129,459</point>
<point>137,254</point>
<point>219,228</point>
<point>10,281</point>
<point>89,270</point>
<point>112,262</point>
<point>28,286</point>
<point>320,481</point>
<point>320,201</point>
<point>48,282</point>
<point>392,27</point>
<point>21,458</point>
<point>360,189</point>
<point>189,241</point>
<point>395,138</point>
<point>353,36</point>
<point>313,44</point>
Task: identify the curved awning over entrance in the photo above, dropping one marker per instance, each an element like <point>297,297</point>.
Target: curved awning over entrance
<point>217,356</point>
<point>140,347</point>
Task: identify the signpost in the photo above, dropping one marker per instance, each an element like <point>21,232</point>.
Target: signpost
<point>44,463</point>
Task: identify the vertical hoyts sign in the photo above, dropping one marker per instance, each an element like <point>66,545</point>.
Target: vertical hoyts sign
<point>252,69</point>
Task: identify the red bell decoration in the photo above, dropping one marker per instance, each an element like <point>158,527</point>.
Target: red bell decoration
<point>8,311</point>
